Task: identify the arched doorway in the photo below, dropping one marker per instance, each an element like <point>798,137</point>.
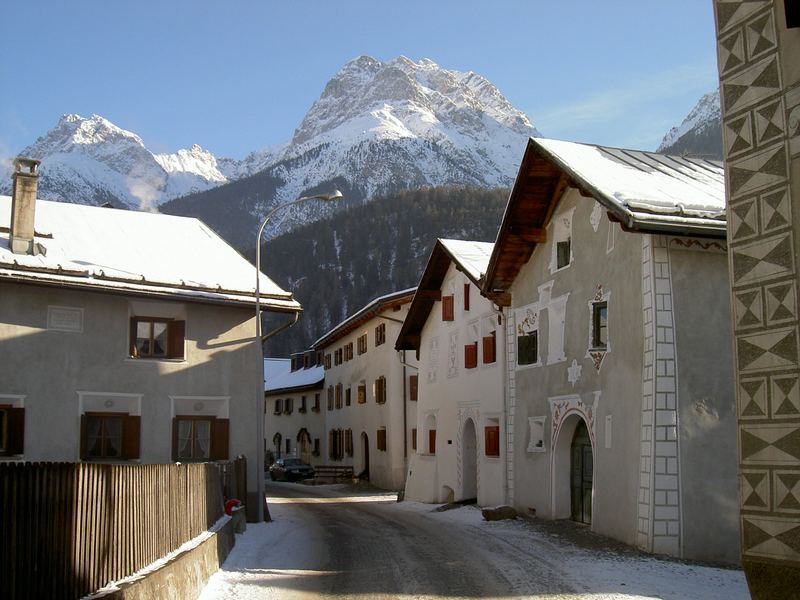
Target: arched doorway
<point>364,456</point>
<point>469,461</point>
<point>304,443</point>
<point>581,469</point>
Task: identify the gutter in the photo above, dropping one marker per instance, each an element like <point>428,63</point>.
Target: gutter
<point>280,328</point>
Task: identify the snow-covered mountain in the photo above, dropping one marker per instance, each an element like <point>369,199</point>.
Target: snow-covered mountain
<point>380,127</point>
<point>91,161</point>
<point>700,133</point>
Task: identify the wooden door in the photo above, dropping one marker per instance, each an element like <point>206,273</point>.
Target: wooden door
<point>581,467</point>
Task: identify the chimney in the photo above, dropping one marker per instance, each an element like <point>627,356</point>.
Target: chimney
<point>23,205</point>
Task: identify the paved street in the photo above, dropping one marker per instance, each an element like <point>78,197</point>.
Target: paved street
<point>335,541</point>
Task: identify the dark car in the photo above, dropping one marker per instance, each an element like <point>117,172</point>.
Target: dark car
<point>290,469</point>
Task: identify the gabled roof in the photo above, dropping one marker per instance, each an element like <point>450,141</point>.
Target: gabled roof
<point>645,191</point>
<point>279,377</point>
<point>135,252</point>
<point>375,307</point>
<point>471,258</point>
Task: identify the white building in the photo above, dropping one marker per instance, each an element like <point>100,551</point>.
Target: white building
<point>367,401</point>
<point>293,415</point>
<point>611,265</point>
<point>459,337</point>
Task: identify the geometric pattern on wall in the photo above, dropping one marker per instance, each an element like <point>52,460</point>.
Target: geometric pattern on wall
<point>770,443</point>
<point>748,309</point>
<point>755,490</point>
<point>785,397</point>
<point>771,349</point>
<point>781,302</point>
<point>763,259</point>
<point>771,537</point>
<point>776,210</point>
<point>787,491</point>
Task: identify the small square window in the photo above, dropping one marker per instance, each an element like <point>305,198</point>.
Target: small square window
<point>562,253</point>
<point>528,348</point>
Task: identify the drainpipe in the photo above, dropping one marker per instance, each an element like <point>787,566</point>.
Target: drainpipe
<point>504,317</point>
<point>405,416</point>
<point>280,328</point>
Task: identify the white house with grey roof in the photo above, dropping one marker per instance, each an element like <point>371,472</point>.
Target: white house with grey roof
<point>611,269</point>
<point>459,337</point>
<point>126,336</point>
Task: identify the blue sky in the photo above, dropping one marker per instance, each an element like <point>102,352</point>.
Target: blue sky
<point>236,76</point>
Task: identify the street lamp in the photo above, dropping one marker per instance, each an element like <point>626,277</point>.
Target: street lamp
<point>335,195</point>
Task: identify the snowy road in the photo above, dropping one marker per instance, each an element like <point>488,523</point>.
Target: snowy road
<point>330,541</point>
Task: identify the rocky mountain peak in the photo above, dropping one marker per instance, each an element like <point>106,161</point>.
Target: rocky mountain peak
<point>700,131</point>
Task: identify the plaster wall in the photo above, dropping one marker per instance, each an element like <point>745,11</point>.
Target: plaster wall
<point>452,395</point>
<point>289,426</point>
<point>387,468</point>
<point>604,391</point>
<point>55,371</point>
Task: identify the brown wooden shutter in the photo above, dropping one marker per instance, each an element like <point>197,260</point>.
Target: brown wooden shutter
<point>466,296</point>
<point>381,441</point>
<point>413,385</point>
<point>492,440</point>
<point>414,439</point>
<point>331,450</point>
<point>16,431</point>
<point>447,308</point>
<point>219,439</point>
<point>84,441</point>
<point>175,439</point>
<point>131,431</point>
<point>176,335</point>
<point>471,356</point>
<point>489,348</point>
<point>432,441</point>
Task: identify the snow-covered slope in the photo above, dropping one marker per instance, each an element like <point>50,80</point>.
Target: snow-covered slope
<point>91,161</point>
<point>700,132</point>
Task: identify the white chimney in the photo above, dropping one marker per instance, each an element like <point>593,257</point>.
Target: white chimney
<point>23,205</point>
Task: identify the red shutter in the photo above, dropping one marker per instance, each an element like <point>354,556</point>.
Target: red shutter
<point>447,308</point>
<point>16,431</point>
<point>471,355</point>
<point>174,440</point>
<point>492,440</point>
<point>489,348</point>
<point>219,439</point>
<point>413,384</point>
<point>432,441</point>
<point>176,334</point>
<point>466,296</point>
<point>131,431</point>
<point>84,441</point>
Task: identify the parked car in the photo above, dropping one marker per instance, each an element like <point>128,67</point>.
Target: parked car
<point>290,469</point>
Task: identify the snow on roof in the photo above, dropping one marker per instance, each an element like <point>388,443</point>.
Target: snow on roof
<point>288,379</point>
<point>472,256</point>
<point>367,310</point>
<point>137,252</point>
<point>672,187</point>
<point>275,367</point>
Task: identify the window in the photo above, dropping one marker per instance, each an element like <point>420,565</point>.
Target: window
<point>380,390</point>
<point>362,392</point>
<point>347,396</point>
<point>471,355</point>
<point>296,362</point>
<point>528,348</point>
<point>431,441</point>
<point>199,438</point>
<point>337,356</point>
<point>278,406</point>
<point>561,256</point>
<point>335,444</point>
<point>316,447</point>
<point>414,438</point>
<point>320,358</point>
<point>447,308</point>
<point>327,361</point>
<point>348,351</point>
<point>492,440</point>
<point>562,253</point>
<point>413,387</point>
<point>109,436</point>
<point>288,445</point>
<point>380,334</point>
<point>302,408</point>
<point>381,439</point>
<point>12,430</point>
<point>315,408</point>
<point>330,397</point>
<point>792,13</point>
<point>288,406</point>
<point>338,395</point>
<point>600,325</point>
<point>490,348</point>
<point>157,338</point>
<point>348,442</point>
<point>466,296</point>
<point>362,344</point>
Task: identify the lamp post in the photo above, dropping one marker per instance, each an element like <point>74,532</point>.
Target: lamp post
<point>263,514</point>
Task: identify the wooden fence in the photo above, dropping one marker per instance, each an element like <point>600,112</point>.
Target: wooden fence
<point>68,529</point>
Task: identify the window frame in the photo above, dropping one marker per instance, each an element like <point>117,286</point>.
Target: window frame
<point>362,344</point>
<point>597,329</point>
<point>193,419</point>
<point>448,308</point>
<point>103,417</point>
<point>379,390</point>
<point>380,334</point>
<point>278,408</point>
<point>175,338</point>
